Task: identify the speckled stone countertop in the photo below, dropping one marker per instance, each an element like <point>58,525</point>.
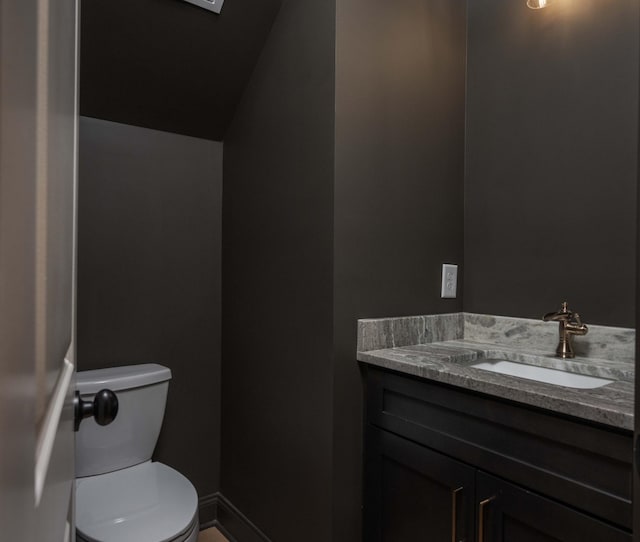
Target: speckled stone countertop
<point>442,348</point>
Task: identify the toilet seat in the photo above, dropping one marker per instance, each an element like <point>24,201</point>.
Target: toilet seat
<point>149,502</point>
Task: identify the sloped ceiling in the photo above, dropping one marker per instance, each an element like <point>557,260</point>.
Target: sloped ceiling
<point>167,64</point>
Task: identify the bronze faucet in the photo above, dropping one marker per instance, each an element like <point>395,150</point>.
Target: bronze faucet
<point>570,325</point>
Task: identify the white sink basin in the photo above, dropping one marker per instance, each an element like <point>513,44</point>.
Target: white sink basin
<point>542,374</point>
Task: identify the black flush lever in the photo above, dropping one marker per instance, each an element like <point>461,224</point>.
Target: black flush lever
<point>104,408</point>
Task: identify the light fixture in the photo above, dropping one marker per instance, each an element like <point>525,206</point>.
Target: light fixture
<point>211,5</point>
<point>537,4</point>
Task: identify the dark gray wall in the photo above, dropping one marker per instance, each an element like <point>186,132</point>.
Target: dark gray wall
<point>636,435</point>
<point>292,394</point>
<point>277,274</point>
<point>170,65</point>
<point>552,122</point>
<point>400,76</point>
<point>149,226</point>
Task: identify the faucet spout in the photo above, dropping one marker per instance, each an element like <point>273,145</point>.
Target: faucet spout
<point>576,327</point>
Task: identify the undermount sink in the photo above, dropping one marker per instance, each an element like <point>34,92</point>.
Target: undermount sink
<point>542,374</point>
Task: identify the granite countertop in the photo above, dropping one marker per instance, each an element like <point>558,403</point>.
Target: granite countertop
<point>442,348</point>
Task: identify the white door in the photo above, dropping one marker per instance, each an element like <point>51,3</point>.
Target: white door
<point>38,147</point>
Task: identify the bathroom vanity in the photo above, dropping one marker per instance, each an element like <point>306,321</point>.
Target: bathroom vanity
<point>455,452</point>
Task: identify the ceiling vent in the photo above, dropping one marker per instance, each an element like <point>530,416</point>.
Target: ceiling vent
<point>211,5</point>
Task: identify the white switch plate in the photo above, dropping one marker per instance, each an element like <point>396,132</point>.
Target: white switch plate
<point>211,5</point>
<point>449,280</point>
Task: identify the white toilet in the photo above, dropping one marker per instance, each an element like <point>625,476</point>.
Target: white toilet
<point>121,495</point>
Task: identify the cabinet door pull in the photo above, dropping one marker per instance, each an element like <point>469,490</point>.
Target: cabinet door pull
<point>454,515</point>
<point>481,512</point>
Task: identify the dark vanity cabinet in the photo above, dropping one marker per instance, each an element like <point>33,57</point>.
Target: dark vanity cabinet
<point>508,513</point>
<point>415,491</point>
<point>443,464</point>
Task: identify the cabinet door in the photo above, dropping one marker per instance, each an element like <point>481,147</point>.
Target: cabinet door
<point>415,494</point>
<point>508,513</point>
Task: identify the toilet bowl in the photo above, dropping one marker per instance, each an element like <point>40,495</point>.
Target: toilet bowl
<point>121,495</point>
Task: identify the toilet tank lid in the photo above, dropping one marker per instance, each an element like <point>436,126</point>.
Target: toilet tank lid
<point>121,378</point>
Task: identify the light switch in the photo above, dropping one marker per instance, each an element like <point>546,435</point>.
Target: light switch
<point>211,5</point>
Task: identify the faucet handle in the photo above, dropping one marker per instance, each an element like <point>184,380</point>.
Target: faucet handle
<point>563,314</point>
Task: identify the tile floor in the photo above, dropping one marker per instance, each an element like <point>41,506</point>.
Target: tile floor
<point>211,535</point>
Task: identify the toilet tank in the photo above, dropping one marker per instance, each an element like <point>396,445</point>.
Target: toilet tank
<point>132,436</point>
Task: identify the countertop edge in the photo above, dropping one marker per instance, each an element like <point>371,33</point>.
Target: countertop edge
<point>555,399</point>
